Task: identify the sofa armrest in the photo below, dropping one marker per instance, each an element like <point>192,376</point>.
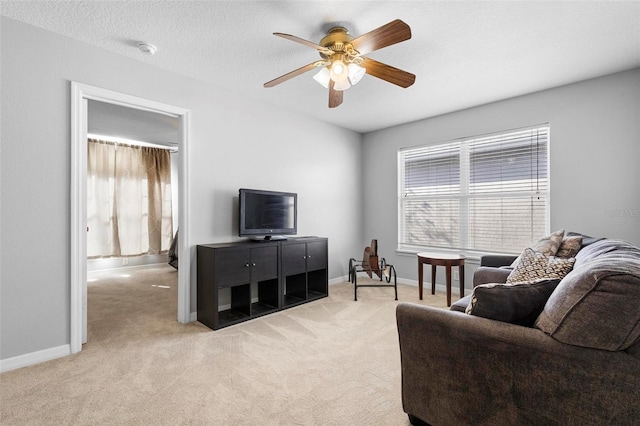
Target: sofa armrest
<point>485,274</point>
<point>462,369</point>
<point>497,260</point>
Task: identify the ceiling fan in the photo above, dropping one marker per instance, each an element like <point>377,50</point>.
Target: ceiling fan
<point>343,64</point>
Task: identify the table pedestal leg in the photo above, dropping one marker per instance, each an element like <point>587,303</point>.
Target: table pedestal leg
<point>448,285</point>
<point>461,270</point>
<point>433,279</point>
<point>420,266</point>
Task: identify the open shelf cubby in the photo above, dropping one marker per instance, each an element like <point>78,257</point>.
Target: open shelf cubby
<point>240,305</point>
<point>317,284</point>
<point>267,298</point>
<point>295,289</point>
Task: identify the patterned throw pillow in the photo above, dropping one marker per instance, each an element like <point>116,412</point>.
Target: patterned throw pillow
<point>548,245</point>
<point>533,266</point>
<point>515,303</point>
<point>570,246</point>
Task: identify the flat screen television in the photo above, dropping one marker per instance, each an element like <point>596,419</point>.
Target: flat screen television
<point>267,215</point>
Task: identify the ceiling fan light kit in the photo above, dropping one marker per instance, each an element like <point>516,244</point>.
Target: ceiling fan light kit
<point>323,77</point>
<point>343,64</point>
<point>343,76</point>
<point>356,72</point>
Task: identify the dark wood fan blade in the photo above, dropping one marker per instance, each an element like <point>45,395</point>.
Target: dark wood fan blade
<point>306,43</point>
<point>335,96</point>
<point>388,73</point>
<point>391,33</point>
<point>292,74</point>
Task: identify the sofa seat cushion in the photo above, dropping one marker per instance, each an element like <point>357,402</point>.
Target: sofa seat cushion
<point>519,303</point>
<point>597,305</point>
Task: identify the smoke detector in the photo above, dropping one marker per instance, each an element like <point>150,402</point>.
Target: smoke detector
<point>147,48</point>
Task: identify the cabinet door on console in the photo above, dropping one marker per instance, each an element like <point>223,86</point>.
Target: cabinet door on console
<point>232,267</point>
<point>316,255</point>
<point>294,258</point>
<point>264,263</point>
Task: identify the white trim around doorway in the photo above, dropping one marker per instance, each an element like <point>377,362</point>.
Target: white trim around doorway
<point>80,93</point>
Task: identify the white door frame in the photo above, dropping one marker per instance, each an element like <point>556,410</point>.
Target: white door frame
<point>80,93</point>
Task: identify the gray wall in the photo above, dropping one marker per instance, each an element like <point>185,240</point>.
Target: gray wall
<point>595,154</point>
<point>595,158</point>
<point>235,142</point>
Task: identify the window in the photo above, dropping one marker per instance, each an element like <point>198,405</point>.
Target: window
<point>487,193</point>
<point>128,200</point>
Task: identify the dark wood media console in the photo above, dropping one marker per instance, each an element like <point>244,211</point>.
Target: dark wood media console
<point>243,280</point>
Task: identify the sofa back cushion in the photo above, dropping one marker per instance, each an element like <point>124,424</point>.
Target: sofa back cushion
<point>597,305</point>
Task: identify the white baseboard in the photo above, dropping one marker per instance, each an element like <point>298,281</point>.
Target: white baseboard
<point>426,286</point>
<point>34,358</point>
<point>339,280</point>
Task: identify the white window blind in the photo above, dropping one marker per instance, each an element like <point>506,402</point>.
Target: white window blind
<point>486,193</point>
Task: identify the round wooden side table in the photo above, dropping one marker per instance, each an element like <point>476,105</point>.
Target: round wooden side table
<point>443,259</point>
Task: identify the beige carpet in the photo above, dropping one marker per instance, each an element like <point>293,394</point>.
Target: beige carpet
<point>329,362</point>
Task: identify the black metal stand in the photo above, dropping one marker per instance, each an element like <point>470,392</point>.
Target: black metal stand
<point>385,271</point>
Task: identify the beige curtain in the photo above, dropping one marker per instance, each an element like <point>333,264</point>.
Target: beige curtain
<point>128,200</point>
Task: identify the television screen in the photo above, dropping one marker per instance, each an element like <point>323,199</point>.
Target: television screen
<point>267,213</point>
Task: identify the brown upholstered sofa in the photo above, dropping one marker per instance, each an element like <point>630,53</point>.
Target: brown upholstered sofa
<point>577,364</point>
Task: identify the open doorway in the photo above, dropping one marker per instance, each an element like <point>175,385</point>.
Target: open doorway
<point>132,219</point>
<point>81,94</point>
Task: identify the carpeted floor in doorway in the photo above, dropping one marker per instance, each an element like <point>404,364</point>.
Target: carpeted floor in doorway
<point>329,362</point>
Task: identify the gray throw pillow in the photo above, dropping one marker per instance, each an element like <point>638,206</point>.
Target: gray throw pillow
<point>514,303</point>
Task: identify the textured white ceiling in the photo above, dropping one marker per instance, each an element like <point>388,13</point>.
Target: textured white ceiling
<point>464,53</point>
